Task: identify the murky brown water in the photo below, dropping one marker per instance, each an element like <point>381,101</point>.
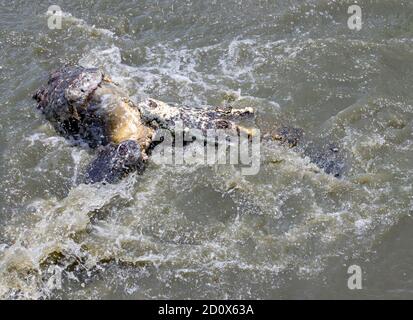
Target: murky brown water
<point>208,232</point>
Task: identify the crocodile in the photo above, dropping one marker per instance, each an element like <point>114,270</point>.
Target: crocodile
<point>85,106</point>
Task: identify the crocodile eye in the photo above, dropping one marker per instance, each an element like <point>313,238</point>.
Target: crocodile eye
<point>123,150</point>
<point>152,104</point>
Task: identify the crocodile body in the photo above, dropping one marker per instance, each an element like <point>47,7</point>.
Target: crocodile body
<point>87,107</point>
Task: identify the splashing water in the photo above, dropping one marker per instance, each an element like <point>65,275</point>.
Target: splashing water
<point>209,232</point>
